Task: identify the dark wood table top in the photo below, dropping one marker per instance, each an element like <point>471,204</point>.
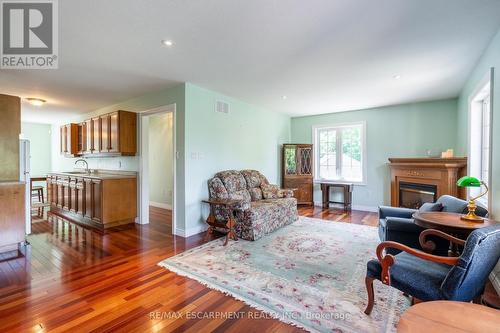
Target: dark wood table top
<point>449,221</point>
<point>223,202</point>
<point>449,317</point>
<point>38,178</point>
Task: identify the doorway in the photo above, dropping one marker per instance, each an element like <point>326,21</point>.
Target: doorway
<point>157,185</point>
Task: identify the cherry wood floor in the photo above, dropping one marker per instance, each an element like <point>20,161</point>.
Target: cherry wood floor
<point>73,279</point>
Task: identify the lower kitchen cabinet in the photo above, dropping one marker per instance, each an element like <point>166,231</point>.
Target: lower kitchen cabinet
<point>98,202</point>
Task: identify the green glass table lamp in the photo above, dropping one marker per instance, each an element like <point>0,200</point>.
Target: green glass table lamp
<point>468,181</point>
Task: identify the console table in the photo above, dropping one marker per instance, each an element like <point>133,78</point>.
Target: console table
<point>347,189</point>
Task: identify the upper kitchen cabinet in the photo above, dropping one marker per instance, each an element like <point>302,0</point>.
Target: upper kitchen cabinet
<point>111,134</point>
<point>69,139</point>
<point>119,133</point>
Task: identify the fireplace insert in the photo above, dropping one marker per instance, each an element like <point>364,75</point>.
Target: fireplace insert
<point>413,195</point>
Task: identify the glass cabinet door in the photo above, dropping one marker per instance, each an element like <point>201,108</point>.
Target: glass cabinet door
<point>290,160</point>
<point>305,160</point>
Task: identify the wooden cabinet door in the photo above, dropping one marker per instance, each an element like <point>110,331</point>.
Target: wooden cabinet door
<point>114,133</point>
<point>88,136</point>
<point>87,207</point>
<point>60,193</point>
<point>82,138</point>
<point>66,194</point>
<point>80,196</point>
<point>96,129</point>
<point>97,200</point>
<point>93,199</point>
<point>73,198</point>
<point>105,134</point>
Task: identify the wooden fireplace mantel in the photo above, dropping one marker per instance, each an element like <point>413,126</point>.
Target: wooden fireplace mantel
<point>441,172</point>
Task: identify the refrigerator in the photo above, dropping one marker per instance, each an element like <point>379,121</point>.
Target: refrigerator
<point>24,176</point>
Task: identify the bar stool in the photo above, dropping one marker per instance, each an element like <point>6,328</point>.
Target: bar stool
<point>38,192</point>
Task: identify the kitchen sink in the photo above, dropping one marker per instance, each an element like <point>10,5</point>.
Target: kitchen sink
<point>78,173</point>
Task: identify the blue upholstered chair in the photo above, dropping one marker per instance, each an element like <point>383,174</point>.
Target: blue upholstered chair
<point>396,224</point>
<point>430,277</point>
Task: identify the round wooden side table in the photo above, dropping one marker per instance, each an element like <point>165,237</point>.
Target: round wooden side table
<point>449,317</point>
<point>451,223</point>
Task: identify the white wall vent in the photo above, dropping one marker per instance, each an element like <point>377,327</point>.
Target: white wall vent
<point>221,106</point>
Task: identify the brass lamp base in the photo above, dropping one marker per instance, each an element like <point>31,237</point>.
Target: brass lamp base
<point>471,215</point>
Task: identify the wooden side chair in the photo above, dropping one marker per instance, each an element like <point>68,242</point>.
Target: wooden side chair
<point>429,277</point>
<point>37,191</point>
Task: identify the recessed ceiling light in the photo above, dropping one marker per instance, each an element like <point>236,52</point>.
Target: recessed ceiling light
<point>396,77</point>
<point>167,42</point>
<point>36,101</point>
<point>284,97</point>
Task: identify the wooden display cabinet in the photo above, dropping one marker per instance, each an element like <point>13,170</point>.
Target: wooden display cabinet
<point>297,171</point>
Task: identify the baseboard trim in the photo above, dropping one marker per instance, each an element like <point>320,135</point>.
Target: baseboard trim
<point>160,205</point>
<point>363,208</point>
<point>191,231</point>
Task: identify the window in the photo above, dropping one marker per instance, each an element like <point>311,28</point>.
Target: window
<point>480,139</point>
<point>339,152</point>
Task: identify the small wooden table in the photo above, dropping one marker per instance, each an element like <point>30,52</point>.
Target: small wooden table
<point>449,317</point>
<point>228,225</point>
<point>451,223</point>
<point>325,191</point>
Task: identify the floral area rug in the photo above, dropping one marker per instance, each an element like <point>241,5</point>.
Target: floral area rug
<point>309,274</point>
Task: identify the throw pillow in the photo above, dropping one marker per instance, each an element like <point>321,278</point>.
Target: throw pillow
<point>271,191</point>
<point>255,193</point>
<point>430,207</point>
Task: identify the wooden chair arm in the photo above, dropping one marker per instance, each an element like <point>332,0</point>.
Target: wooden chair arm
<point>430,246</point>
<point>388,260</point>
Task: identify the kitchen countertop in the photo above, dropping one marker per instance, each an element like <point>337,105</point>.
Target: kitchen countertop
<point>11,182</point>
<point>100,174</point>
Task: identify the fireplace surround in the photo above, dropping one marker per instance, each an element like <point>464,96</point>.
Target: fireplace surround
<point>425,179</point>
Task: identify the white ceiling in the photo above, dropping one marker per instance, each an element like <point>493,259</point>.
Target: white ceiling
<point>325,55</point>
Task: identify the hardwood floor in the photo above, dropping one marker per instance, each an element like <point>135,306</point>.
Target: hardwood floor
<point>74,279</point>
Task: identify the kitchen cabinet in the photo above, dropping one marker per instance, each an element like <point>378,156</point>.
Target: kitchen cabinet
<point>69,140</point>
<point>111,134</point>
<point>96,135</point>
<point>100,201</point>
<point>88,136</point>
<point>12,217</point>
<point>118,133</point>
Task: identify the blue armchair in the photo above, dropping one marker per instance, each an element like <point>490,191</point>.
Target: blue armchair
<point>429,277</point>
<point>396,224</point>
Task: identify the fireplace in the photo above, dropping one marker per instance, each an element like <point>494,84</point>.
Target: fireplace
<point>430,177</point>
<point>413,195</point>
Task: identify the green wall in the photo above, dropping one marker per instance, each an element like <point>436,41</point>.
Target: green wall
<point>246,138</point>
<point>40,147</point>
<point>407,130</point>
<point>490,58</point>
<point>161,170</point>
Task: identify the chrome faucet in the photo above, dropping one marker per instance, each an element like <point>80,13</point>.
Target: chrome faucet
<point>86,165</point>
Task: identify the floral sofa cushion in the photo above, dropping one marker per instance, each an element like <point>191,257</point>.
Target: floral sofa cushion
<point>255,180</point>
<point>270,191</point>
<point>255,216</point>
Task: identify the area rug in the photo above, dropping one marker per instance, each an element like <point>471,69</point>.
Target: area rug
<point>309,274</point>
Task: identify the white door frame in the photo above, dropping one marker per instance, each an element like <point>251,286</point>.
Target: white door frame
<point>143,204</point>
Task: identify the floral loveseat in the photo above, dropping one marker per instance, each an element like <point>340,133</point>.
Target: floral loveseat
<point>264,208</point>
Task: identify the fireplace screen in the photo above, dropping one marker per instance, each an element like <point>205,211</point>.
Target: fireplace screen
<point>412,195</point>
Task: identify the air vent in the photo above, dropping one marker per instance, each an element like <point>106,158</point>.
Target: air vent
<point>221,107</point>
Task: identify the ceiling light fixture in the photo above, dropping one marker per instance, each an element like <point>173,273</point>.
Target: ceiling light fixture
<point>167,42</point>
<point>36,101</point>
<point>284,97</point>
<point>396,77</point>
